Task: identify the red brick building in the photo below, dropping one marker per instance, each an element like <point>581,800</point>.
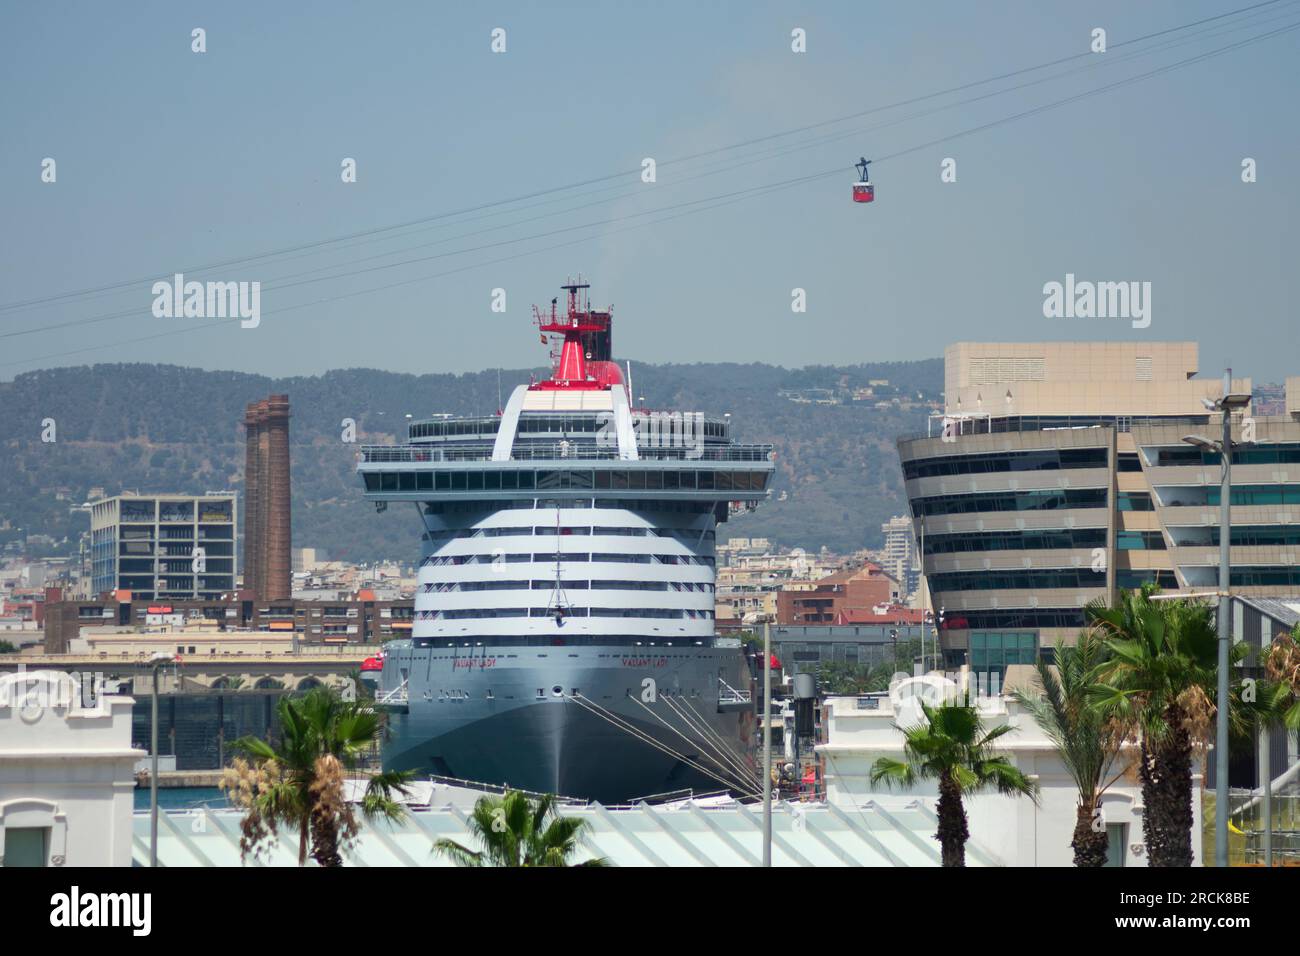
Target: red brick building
<point>846,597</point>
<point>360,619</point>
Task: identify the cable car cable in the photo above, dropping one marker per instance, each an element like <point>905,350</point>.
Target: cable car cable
<point>29,303</point>
<point>275,282</point>
<point>727,197</point>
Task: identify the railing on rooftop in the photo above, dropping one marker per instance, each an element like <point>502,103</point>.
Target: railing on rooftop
<point>558,451</point>
<point>986,423</point>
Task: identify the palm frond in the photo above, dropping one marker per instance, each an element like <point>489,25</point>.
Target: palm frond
<point>460,855</point>
<point>893,773</point>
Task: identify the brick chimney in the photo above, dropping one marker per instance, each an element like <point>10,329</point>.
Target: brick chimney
<point>252,501</point>
<point>278,569</point>
<point>268,571</point>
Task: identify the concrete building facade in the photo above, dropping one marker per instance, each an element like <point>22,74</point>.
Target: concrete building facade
<point>358,619</point>
<point>66,773</point>
<point>1059,475</point>
<point>807,648</point>
<point>164,546</point>
<point>1004,831</point>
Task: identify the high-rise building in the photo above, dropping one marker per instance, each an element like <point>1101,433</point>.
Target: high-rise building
<point>899,555</point>
<point>163,546</point>
<point>268,571</point>
<point>1059,474</point>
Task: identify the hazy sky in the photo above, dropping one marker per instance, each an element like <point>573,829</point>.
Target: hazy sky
<point>169,160</point>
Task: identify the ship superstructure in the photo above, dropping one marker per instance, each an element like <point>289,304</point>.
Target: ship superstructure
<point>564,635</point>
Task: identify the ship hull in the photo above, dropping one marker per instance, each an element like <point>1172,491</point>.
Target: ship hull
<point>609,724</point>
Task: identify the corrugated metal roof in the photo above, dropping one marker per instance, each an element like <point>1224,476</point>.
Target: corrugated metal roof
<point>1280,609</point>
<point>685,834</point>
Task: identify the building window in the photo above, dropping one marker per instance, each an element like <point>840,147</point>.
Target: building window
<point>1116,843</point>
<point>1135,501</point>
<point>1131,580</point>
<point>1140,541</point>
<point>26,846</point>
<point>991,652</point>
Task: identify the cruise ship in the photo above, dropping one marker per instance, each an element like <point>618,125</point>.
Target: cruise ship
<point>564,636</point>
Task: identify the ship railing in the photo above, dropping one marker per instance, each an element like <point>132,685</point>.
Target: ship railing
<point>498,788</point>
<point>557,451</point>
<point>677,798</point>
<point>729,695</point>
<point>397,697</point>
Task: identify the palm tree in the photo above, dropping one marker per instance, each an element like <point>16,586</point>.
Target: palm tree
<point>516,830</point>
<point>299,782</point>
<point>951,747</point>
<point>1161,679</point>
<point>843,678</point>
<point>1088,742</point>
<point>1282,664</point>
<point>898,660</point>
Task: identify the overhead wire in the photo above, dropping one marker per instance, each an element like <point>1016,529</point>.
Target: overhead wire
<point>190,329</point>
<point>277,282</point>
<point>1248,10</point>
<point>702,204</point>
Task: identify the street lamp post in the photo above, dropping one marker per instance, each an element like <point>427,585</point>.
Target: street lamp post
<point>1226,406</point>
<point>155,662</point>
<point>767,744</point>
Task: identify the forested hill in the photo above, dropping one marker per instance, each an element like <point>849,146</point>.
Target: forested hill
<point>163,428</point>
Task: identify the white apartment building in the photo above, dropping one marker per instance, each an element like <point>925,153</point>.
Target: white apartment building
<point>1004,831</point>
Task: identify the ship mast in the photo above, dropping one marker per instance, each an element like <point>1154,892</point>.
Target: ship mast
<point>559,604</point>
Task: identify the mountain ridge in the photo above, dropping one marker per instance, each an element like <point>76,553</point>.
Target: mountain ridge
<point>175,429</point>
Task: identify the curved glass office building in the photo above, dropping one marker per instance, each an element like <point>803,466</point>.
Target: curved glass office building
<point>1059,474</point>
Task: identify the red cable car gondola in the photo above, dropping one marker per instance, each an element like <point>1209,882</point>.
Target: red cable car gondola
<point>863,190</point>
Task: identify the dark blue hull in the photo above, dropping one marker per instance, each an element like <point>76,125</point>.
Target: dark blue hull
<point>574,721</point>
